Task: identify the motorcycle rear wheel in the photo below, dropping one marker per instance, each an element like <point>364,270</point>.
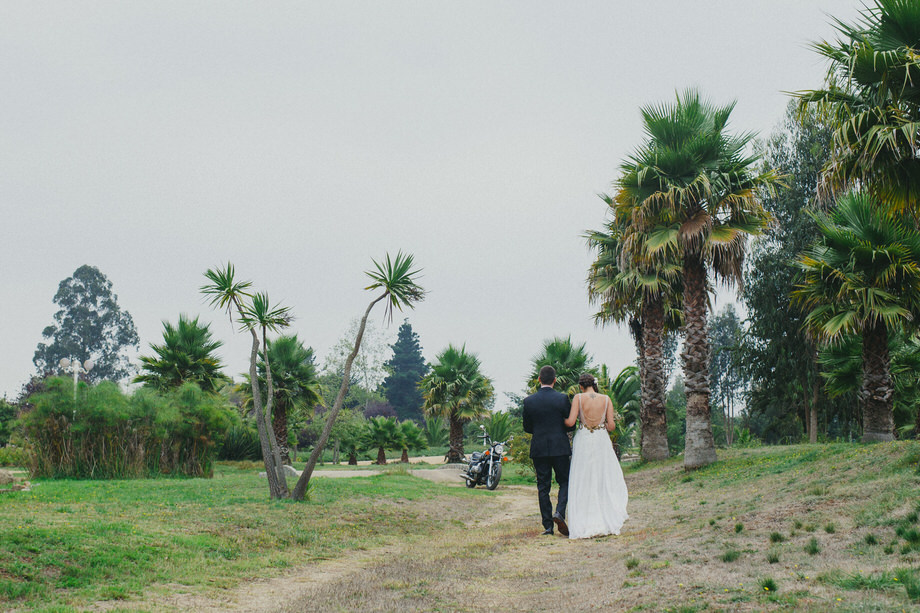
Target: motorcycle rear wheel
<point>494,476</point>
<point>471,483</point>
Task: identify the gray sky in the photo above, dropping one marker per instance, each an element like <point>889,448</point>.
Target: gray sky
<point>299,140</point>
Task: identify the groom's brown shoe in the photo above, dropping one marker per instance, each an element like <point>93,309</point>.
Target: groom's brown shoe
<point>560,525</point>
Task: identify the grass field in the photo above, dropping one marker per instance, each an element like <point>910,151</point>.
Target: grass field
<point>803,528</point>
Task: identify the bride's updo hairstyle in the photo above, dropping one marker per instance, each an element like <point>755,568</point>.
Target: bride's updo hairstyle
<point>587,380</point>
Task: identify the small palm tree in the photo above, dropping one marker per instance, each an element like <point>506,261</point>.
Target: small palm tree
<point>382,433</point>
<point>295,381</point>
<point>863,277</point>
<point>186,355</point>
<point>499,426</point>
<point>436,431</point>
<point>455,389</point>
<point>569,360</point>
<point>413,439</point>
<point>625,393</point>
<point>396,277</point>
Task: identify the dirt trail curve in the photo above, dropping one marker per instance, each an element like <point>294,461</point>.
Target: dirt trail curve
<point>295,585</point>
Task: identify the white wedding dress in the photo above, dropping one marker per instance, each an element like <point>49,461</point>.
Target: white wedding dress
<point>597,490</point>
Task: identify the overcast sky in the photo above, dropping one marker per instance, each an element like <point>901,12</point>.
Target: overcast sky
<point>154,140</point>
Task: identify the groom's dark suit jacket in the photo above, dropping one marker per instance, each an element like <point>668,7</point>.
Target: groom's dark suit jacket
<point>544,416</point>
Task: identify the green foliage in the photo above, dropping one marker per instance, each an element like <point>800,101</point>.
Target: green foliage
<point>406,368</point>
<point>776,537</point>
<point>725,375</point>
<point>240,442</point>
<point>88,325</point>
<point>569,360</point>
<point>186,355</point>
<point>11,455</point>
<point>436,431</point>
<point>520,454</point>
<point>382,433</point>
<point>8,412</point>
<point>730,556</point>
<point>812,547</point>
<point>107,434</point>
<point>412,437</point>
<point>768,585</point>
<point>772,557</point>
<point>499,426</point>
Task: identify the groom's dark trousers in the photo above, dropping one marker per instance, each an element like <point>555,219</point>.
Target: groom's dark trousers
<point>544,416</point>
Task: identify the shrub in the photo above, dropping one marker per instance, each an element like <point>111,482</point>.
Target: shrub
<point>13,456</point>
<point>7,416</point>
<point>240,443</point>
<point>520,454</point>
<point>108,434</point>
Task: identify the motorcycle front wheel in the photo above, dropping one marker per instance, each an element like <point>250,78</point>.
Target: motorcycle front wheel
<point>494,475</point>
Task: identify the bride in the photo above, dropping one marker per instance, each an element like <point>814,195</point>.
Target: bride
<point>597,490</point>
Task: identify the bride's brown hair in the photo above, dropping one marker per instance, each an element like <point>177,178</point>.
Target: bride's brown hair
<point>587,380</point>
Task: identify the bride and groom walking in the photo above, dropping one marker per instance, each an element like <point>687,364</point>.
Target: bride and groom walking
<point>590,479</point>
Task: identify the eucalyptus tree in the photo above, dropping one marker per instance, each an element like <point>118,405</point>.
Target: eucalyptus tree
<point>696,193</point>
<point>872,94</point>
<point>186,355</point>
<point>295,381</point>
<point>863,277</point>
<point>569,359</point>
<point>396,277</point>
<point>254,314</point>
<point>454,388</point>
<point>88,325</point>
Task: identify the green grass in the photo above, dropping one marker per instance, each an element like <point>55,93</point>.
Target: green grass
<point>812,548</point>
<point>730,556</point>
<point>80,541</point>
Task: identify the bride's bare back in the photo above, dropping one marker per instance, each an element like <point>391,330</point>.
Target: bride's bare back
<point>596,408</point>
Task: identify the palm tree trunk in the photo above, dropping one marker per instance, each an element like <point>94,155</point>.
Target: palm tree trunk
<point>381,456</point>
<point>280,426</point>
<point>876,393</point>
<point>405,456</point>
<point>700,449</point>
<point>654,445</point>
<point>352,459</point>
<point>455,452</point>
<point>301,488</point>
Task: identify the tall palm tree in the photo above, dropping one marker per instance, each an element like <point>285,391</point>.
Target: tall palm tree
<point>872,93</point>
<point>186,355</point>
<point>570,361</point>
<point>863,277</point>
<point>695,193</point>
<point>634,282</point>
<point>455,389</point>
<point>397,278</point>
<point>254,314</point>
<point>295,381</point>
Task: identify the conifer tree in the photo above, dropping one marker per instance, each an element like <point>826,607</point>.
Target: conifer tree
<point>406,368</point>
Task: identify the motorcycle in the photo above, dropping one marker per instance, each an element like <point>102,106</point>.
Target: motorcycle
<point>485,467</point>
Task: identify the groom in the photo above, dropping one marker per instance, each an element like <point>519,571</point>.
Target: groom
<point>544,414</point>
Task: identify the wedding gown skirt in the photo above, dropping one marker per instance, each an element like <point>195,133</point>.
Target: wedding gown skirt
<point>597,490</point>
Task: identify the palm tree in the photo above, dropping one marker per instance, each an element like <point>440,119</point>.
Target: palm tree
<point>382,433</point>
<point>695,194</point>
<point>413,439</point>
<point>254,313</point>
<point>455,389</point>
<point>396,277</point>
<point>295,382</point>
<point>186,355</point>
<point>863,277</point>
<point>569,360</point>
<point>626,395</point>
<point>634,282</point>
<point>872,94</point>
<point>436,431</point>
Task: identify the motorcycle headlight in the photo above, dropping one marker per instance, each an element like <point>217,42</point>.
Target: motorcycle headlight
<point>499,448</point>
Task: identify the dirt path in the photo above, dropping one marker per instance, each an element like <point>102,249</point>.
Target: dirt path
<point>299,586</point>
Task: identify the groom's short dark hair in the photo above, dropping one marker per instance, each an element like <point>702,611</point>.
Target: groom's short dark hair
<point>547,375</point>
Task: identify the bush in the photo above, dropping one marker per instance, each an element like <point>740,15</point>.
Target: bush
<point>520,454</point>
<point>108,434</point>
<point>7,416</point>
<point>240,443</point>
<point>13,456</point>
